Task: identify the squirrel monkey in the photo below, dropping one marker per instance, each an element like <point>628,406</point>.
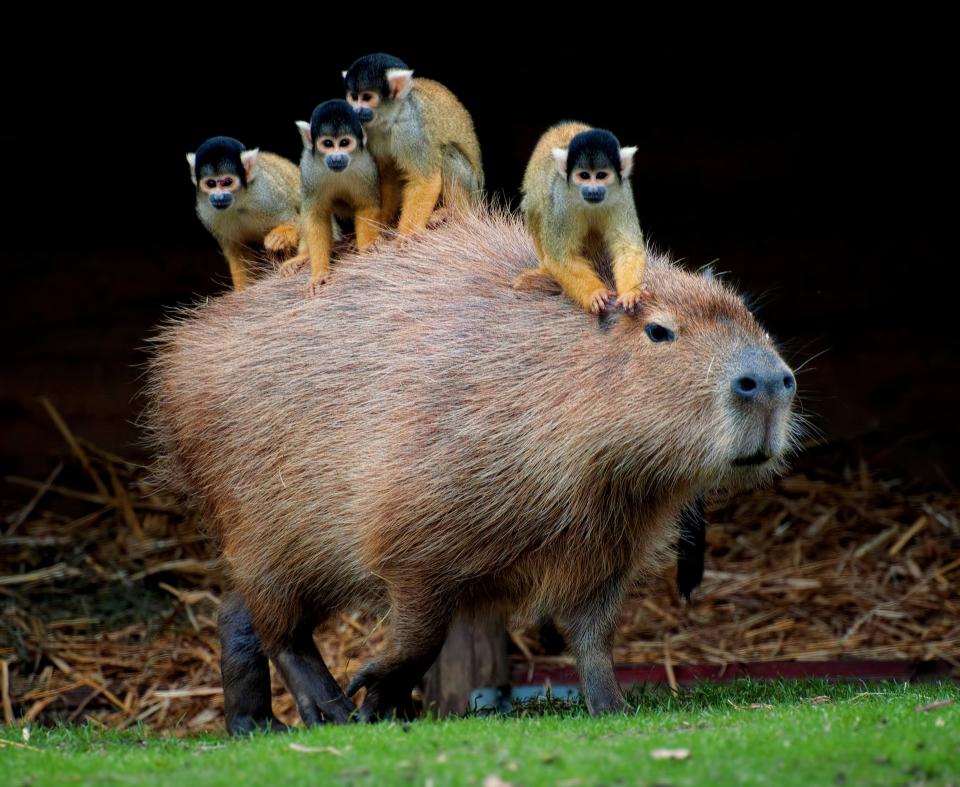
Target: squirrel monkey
<point>422,138</point>
<point>246,199</point>
<point>577,200</point>
<point>339,181</point>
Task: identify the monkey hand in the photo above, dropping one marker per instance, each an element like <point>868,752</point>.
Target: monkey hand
<point>294,265</point>
<point>282,240</point>
<point>631,300</point>
<point>599,300</point>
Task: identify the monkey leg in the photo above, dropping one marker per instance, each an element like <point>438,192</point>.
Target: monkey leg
<point>282,240</point>
<point>245,673</point>
<point>629,264</point>
<point>420,197</point>
<point>367,221</point>
<point>589,629</point>
<point>239,267</point>
<point>318,230</point>
<point>580,282</point>
<point>318,696</point>
<point>419,623</point>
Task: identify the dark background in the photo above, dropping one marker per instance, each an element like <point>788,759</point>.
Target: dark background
<point>813,163</point>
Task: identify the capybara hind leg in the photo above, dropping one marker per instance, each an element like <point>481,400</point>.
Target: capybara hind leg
<point>589,631</point>
<point>318,696</point>
<point>244,671</point>
<point>419,630</point>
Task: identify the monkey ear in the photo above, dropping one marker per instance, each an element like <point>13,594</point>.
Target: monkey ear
<point>626,161</point>
<point>344,74</point>
<point>192,161</point>
<point>400,81</point>
<point>305,134</point>
<point>249,160</point>
<point>560,160</point>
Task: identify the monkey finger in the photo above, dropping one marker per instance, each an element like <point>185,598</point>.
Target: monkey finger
<point>293,265</point>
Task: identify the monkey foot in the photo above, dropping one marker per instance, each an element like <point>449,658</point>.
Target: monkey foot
<point>600,301</point>
<point>316,283</point>
<point>294,265</point>
<point>630,300</point>
<point>389,693</point>
<point>245,725</point>
<point>282,240</point>
<point>437,218</point>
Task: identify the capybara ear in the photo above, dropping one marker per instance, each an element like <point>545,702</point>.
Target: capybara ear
<point>537,280</point>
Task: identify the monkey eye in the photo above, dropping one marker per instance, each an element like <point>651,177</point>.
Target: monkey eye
<point>659,333</point>
<point>226,182</point>
<point>368,96</point>
<point>583,175</point>
<point>328,143</point>
<point>355,96</point>
<point>345,142</point>
<point>601,176</point>
<point>210,183</point>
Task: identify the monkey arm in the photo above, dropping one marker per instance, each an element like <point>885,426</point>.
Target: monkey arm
<point>420,196</point>
<point>367,221</point>
<point>629,264</point>
<point>318,232</point>
<point>239,267</point>
<point>579,280</point>
<point>391,194</point>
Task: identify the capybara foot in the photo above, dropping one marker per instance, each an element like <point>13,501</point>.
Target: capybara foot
<point>389,693</point>
<point>282,240</point>
<point>294,265</point>
<point>245,725</point>
<point>631,300</point>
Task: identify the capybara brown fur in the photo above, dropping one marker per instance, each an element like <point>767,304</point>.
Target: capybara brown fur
<point>423,440</point>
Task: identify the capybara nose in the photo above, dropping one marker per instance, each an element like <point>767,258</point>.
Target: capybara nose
<point>763,376</point>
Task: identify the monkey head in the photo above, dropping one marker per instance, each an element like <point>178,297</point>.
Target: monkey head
<point>334,133</point>
<point>376,86</point>
<point>220,168</point>
<point>595,164</point>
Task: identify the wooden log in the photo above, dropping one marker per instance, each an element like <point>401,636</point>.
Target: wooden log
<point>474,656</point>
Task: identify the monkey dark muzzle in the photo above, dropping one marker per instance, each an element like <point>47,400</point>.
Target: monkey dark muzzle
<point>221,201</point>
<point>337,162</point>
<point>365,114</point>
<point>593,194</point>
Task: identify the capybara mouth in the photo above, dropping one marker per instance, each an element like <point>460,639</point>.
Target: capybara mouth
<point>756,458</point>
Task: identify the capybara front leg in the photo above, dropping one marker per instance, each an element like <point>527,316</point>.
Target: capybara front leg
<point>318,696</point>
<point>419,629</point>
<point>244,671</point>
<point>589,630</point>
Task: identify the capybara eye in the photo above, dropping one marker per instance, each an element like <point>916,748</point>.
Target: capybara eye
<point>658,333</point>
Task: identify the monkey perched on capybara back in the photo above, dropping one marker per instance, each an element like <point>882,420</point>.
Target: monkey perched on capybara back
<point>423,440</point>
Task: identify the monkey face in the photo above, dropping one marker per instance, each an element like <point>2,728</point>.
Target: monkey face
<point>336,151</point>
<point>593,184</point>
<point>220,189</point>
<point>364,103</point>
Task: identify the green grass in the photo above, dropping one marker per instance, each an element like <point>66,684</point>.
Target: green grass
<point>864,734</point>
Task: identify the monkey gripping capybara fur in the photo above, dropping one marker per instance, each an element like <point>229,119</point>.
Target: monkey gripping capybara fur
<point>422,440</point>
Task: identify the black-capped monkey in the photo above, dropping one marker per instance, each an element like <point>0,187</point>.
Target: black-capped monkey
<point>248,200</point>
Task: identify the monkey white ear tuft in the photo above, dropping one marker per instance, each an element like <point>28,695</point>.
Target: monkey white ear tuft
<point>344,74</point>
<point>192,161</point>
<point>305,134</point>
<point>400,81</point>
<point>560,160</point>
<point>249,160</point>
<point>626,161</point>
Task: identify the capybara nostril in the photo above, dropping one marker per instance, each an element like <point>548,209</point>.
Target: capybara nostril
<point>746,387</point>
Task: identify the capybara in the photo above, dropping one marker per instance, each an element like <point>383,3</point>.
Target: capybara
<point>423,440</point>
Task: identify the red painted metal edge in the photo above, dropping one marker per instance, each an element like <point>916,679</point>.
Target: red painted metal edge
<point>768,670</point>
